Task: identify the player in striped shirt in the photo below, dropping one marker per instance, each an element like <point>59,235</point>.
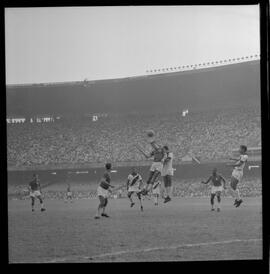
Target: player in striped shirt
<point>237,174</point>
<point>156,191</point>
<point>134,184</point>
<point>103,191</point>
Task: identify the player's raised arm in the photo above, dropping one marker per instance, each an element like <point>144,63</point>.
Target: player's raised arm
<point>234,159</point>
<point>238,163</point>
<point>154,145</point>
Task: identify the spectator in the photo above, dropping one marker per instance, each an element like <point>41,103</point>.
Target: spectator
<point>209,135</point>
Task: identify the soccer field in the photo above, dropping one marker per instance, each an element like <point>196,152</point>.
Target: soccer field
<point>182,230</point>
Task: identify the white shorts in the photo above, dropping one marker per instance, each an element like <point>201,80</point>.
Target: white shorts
<point>35,193</point>
<point>156,190</point>
<point>165,172</point>
<point>133,189</point>
<point>69,194</point>
<point>237,174</point>
<point>102,192</point>
<point>215,189</point>
<point>156,166</point>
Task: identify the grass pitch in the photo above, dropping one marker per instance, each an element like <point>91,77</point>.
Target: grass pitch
<point>182,230</point>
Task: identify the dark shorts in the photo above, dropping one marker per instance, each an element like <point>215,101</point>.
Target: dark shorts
<point>103,200</point>
<point>167,180</point>
<point>234,184</point>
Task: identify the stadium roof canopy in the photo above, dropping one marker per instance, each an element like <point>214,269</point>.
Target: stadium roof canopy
<point>223,86</point>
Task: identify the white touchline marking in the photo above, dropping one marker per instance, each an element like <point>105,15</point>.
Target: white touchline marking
<point>150,249</point>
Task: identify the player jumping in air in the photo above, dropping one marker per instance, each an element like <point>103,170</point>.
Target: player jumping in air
<point>167,173</point>
<point>237,174</point>
<point>156,191</point>
<point>134,183</point>
<point>103,192</point>
<point>35,192</point>
<point>156,167</point>
<point>218,184</point>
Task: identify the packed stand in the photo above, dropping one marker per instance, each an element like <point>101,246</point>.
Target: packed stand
<point>208,134</point>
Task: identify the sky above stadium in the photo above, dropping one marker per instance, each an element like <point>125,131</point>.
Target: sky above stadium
<point>64,44</point>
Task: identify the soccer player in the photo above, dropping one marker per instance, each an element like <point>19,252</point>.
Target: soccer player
<point>156,167</point>
<point>103,191</point>
<point>156,191</point>
<point>167,173</point>
<point>237,174</point>
<point>134,184</point>
<point>69,193</point>
<point>35,192</point>
<point>218,184</point>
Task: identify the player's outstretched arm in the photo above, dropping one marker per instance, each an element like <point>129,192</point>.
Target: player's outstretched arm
<point>233,159</point>
<point>236,164</point>
<point>154,145</point>
<point>208,180</point>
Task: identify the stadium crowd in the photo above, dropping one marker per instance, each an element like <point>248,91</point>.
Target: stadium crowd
<point>207,134</point>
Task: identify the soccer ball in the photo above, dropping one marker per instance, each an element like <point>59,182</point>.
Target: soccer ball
<point>150,133</point>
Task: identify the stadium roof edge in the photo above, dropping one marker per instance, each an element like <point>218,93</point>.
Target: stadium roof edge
<point>85,82</point>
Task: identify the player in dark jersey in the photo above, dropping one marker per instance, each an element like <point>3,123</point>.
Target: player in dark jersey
<point>35,192</point>
<point>103,191</point>
<point>218,184</point>
<point>156,167</point>
<point>134,183</point>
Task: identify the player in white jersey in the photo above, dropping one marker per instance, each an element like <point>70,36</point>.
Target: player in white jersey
<point>167,173</point>
<point>134,184</point>
<point>156,191</point>
<point>237,174</point>
<point>69,194</point>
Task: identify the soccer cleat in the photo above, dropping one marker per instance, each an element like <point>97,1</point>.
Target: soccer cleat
<point>105,215</point>
<point>144,192</point>
<point>212,209</point>
<point>132,204</point>
<point>141,208</point>
<point>97,217</point>
<point>42,209</point>
<point>218,210</point>
<point>156,204</point>
<point>239,203</point>
<point>235,202</point>
<point>33,210</point>
<point>167,199</point>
